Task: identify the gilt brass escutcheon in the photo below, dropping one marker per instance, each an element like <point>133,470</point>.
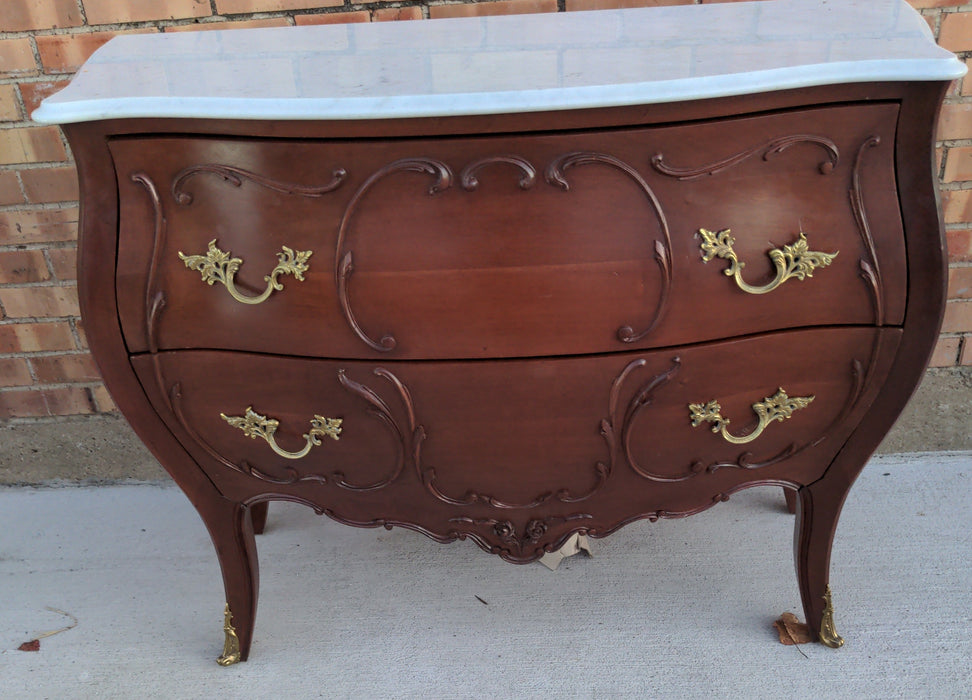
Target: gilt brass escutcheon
<point>254,425</point>
<point>777,407</point>
<point>217,266</point>
<point>795,261</point>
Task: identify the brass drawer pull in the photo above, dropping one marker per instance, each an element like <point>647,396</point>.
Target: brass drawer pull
<point>792,261</point>
<point>254,425</point>
<point>217,266</point>
<point>777,407</point>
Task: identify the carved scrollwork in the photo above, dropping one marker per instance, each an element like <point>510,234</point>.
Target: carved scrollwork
<point>380,410</point>
<point>154,297</point>
<point>506,531</point>
<point>767,150</point>
<point>870,270</point>
<point>344,260</point>
<point>620,425</point>
<point>236,176</point>
<point>528,174</point>
<point>555,175</point>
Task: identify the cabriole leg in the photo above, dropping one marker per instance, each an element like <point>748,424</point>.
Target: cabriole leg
<point>230,526</point>
<point>258,513</point>
<point>818,508</point>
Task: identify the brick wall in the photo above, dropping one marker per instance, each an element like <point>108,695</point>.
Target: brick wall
<point>45,369</point>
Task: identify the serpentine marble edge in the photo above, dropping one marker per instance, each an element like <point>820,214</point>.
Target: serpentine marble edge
<point>493,65</point>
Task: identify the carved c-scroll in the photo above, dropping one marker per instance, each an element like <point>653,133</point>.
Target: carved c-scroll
<point>344,261</point>
<point>870,271</point>
<point>235,176</point>
<point>767,150</point>
<point>528,174</point>
<point>154,298</point>
<point>555,175</point>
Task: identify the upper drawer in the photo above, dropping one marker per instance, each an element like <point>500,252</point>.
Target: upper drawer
<point>513,245</point>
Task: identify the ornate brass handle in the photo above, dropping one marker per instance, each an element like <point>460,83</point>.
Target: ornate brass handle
<point>777,407</point>
<point>217,266</point>
<point>254,425</point>
<point>792,261</point>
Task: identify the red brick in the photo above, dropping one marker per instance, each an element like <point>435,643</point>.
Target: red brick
<point>958,317</point>
<point>223,24</point>
<point>579,5</point>
<point>960,283</point>
<point>37,226</point>
<point>14,372</point>
<point>32,144</point>
<point>32,93</point>
<point>40,302</point>
<point>925,4</point>
<point>115,12</point>
<point>64,262</point>
<point>9,105</point>
<point>231,7</point>
<point>22,404</point>
<point>396,14</point>
<point>16,57</point>
<point>103,399</point>
<point>79,325</point>
<point>946,352</point>
<point>502,7</point>
<point>958,164</point>
<point>10,192</point>
<point>333,18</point>
<point>25,15</point>
<point>45,185</point>
<point>956,31</point>
<point>23,266</point>
<point>954,88</point>
<point>64,53</point>
<point>965,359</point>
<point>57,369</point>
<point>69,401</point>
<point>957,206</point>
<point>959,245</point>
<point>956,120</point>
<point>36,337</point>
<point>36,403</point>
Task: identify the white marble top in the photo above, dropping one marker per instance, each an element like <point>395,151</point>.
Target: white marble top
<point>488,65</point>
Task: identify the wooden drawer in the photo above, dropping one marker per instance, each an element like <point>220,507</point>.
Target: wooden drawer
<point>447,446</point>
<point>512,246</point>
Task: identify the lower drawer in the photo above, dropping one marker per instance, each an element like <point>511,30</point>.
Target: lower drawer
<point>518,453</point>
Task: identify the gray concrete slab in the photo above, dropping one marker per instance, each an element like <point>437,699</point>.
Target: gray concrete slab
<point>674,608</point>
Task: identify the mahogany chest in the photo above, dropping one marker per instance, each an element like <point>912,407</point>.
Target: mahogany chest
<point>515,278</point>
